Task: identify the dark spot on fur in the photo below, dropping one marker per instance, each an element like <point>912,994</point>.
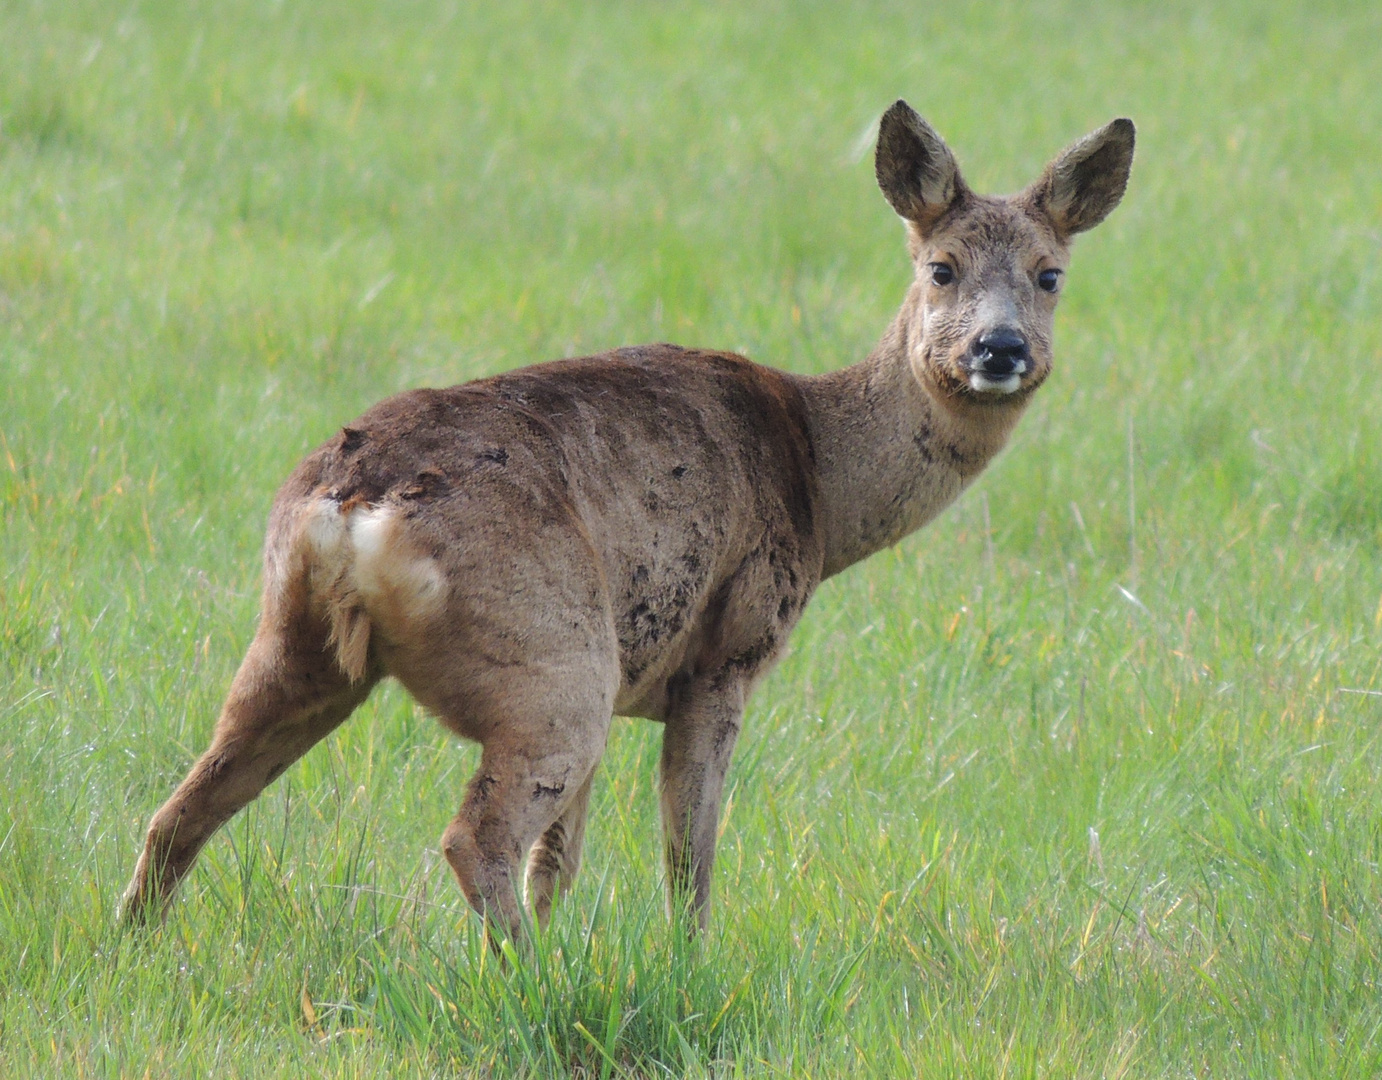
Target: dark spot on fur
<point>351,440</point>
<point>676,686</point>
<point>785,608</point>
<point>745,663</point>
<point>275,772</point>
<point>725,732</point>
<point>680,471</point>
<point>923,445</point>
<point>540,790</point>
<point>496,455</point>
<point>427,482</point>
<point>547,853</point>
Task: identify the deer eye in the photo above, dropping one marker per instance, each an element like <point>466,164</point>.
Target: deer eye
<point>941,273</point>
<point>1049,280</point>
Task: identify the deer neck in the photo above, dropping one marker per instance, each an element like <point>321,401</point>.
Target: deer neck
<point>892,449</point>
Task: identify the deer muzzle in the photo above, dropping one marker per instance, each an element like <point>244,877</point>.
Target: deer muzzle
<point>997,361</point>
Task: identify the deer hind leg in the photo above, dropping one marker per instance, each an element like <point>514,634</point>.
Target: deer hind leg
<point>556,857</point>
<point>533,784</point>
<point>697,743</point>
<point>287,695</point>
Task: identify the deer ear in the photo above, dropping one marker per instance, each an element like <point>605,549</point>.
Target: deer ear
<point>915,169</point>
<point>1082,186</point>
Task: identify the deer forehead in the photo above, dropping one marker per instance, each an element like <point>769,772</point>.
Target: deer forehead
<point>993,233</point>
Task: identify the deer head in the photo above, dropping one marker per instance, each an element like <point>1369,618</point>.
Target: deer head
<point>989,270</point>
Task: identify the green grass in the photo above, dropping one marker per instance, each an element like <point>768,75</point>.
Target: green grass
<point>1077,782</point>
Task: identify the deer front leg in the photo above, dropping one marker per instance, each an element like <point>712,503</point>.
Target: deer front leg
<point>697,743</point>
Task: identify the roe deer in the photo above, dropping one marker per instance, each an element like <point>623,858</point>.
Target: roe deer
<point>634,533</point>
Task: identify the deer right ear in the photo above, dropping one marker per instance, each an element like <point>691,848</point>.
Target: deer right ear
<point>915,169</point>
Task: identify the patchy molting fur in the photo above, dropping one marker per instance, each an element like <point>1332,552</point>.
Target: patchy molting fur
<point>632,533</point>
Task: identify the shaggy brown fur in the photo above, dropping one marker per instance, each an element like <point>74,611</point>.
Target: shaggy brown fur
<point>634,533</point>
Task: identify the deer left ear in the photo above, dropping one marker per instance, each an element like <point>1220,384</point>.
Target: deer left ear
<point>1082,186</point>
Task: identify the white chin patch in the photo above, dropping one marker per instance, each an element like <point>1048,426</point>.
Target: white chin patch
<point>986,384</point>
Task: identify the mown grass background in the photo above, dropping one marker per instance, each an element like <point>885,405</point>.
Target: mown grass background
<point>1081,781</point>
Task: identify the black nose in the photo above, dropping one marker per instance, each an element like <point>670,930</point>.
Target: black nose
<point>999,352</point>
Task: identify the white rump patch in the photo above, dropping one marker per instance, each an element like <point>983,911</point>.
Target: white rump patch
<point>396,582</point>
<point>325,531</point>
<point>369,575</point>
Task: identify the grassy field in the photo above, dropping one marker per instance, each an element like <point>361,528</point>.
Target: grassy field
<point>1079,782</point>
